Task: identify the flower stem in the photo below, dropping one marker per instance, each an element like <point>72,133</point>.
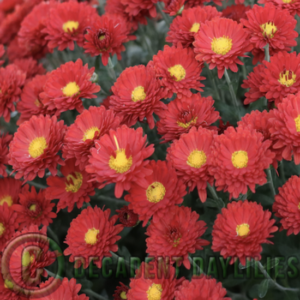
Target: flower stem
<point>111,199</point>
<point>110,70</point>
<point>212,191</point>
<point>281,171</point>
<point>165,17</point>
<point>37,185</point>
<point>270,181</point>
<point>93,294</point>
<point>213,82</point>
<point>199,270</point>
<point>267,52</point>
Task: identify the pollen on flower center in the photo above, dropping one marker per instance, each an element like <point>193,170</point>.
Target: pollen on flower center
<point>101,37</point>
<point>297,123</point>
<point>155,192</point>
<point>37,103</point>
<point>187,125</point>
<point>32,207</point>
<point>239,159</point>
<point>138,94</point>
<point>6,199</point>
<point>196,159</point>
<point>178,72</point>
<point>268,29</point>
<point>154,292</point>
<point>195,28</point>
<point>299,205</point>
<point>73,183</point>
<point>243,230</point>
<point>27,259</point>
<point>287,1</point>
<point>287,78</point>
<point>2,229</point>
<point>71,89</point>
<point>91,236</point>
<point>221,45</point>
<point>37,147</point>
<point>8,284</point>
<point>70,26</point>
<point>123,295</point>
<point>90,133</point>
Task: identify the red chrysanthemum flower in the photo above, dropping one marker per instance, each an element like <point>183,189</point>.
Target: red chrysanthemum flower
<point>30,67</point>
<point>173,7</point>
<point>293,7</point>
<point>178,70</point>
<point>121,292</point>
<point>7,291</point>
<point>8,224</point>
<point>201,288</point>
<point>272,26</point>
<point>11,81</point>
<point>35,147</point>
<point>219,42</point>
<point>238,160</point>
<point>67,24</point>
<point>184,27</point>
<point>33,208</point>
<point>88,127</point>
<point>236,12</point>
<point>67,85</point>
<point>176,234</point>
<point>189,156</point>
<point>5,139</point>
<point>15,51</point>
<point>9,191</point>
<point>119,157</point>
<point>127,217</point>
<point>193,3</point>
<point>138,7</point>
<point>2,52</point>
<point>240,229</point>
<point>162,191</point>
<point>153,281</point>
<point>183,114</point>
<point>73,188</point>
<point>65,290</point>
<point>253,83</point>
<point>137,95</point>
<point>286,205</point>
<point>92,234</point>
<point>9,5</point>
<point>285,127</point>
<point>106,36</point>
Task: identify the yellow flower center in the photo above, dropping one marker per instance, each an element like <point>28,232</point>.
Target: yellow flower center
<point>37,103</point>
<point>2,229</point>
<point>138,94</point>
<point>32,207</point>
<point>221,45</point>
<point>287,78</point>
<point>239,159</point>
<point>71,89</point>
<point>120,163</point>
<point>299,205</point>
<point>176,242</point>
<point>297,123</point>
<point>268,29</point>
<point>101,37</point>
<point>90,133</point>
<point>243,230</point>
<point>6,199</point>
<point>77,182</point>
<point>187,125</point>
<point>27,259</point>
<point>154,292</point>
<point>178,72</point>
<point>196,159</point>
<point>123,295</point>
<point>37,147</point>
<point>70,26</point>
<point>287,1</point>
<point>155,192</point>
<point>91,236</point>
<point>195,28</point>
<point>8,284</point>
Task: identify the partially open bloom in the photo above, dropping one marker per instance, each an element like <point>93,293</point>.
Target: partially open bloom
<point>236,12</point>
<point>35,147</point>
<point>162,191</point>
<point>185,26</point>
<point>173,7</point>
<point>127,217</point>
<point>88,127</point>
<point>11,82</point>
<point>154,280</point>
<point>201,288</point>
<point>73,188</point>
<point>239,158</point>
<point>121,292</point>
<point>68,85</point>
<point>92,234</point>
<point>293,7</point>
<point>220,42</point>
<point>185,113</point>
<point>119,157</point>
<point>189,156</point>
<point>178,70</point>
<point>30,67</point>
<point>240,229</point>
<point>286,205</point>
<point>5,139</point>
<point>176,234</point>
<point>67,23</point>
<point>106,36</point>
<point>272,26</point>
<point>137,95</point>
<point>9,191</point>
<point>285,129</point>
